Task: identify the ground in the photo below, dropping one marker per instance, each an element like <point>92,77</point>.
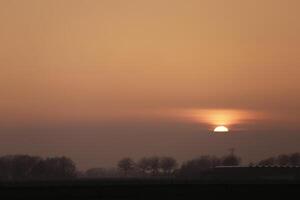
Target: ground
<point>145,189</point>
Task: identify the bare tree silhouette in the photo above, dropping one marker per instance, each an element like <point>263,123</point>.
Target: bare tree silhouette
<point>292,159</point>
<point>167,165</point>
<point>231,159</point>
<point>127,165</point>
<point>149,165</point>
<point>196,167</point>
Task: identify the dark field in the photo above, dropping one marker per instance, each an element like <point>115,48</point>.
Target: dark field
<point>146,189</point>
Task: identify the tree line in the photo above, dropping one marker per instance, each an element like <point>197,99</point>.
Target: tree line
<point>292,159</point>
<point>168,166</point>
<point>25,167</point>
<point>155,166</point>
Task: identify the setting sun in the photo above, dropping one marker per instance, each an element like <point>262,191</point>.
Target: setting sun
<point>221,129</point>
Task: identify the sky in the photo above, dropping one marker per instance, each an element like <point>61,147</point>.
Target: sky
<point>100,80</point>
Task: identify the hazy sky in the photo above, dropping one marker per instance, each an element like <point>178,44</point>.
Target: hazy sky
<point>98,80</point>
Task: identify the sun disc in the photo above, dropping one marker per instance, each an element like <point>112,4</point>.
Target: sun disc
<point>221,129</point>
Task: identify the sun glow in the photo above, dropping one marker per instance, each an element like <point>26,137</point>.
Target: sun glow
<point>218,120</point>
<point>218,117</point>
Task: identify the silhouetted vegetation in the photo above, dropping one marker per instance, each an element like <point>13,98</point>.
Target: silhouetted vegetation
<point>292,159</point>
<point>168,165</point>
<point>24,167</point>
<point>203,164</point>
<point>196,167</point>
<point>150,166</point>
<point>155,166</point>
<point>231,160</point>
<point>126,165</point>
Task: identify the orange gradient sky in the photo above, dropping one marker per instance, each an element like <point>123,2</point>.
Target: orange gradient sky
<point>117,72</point>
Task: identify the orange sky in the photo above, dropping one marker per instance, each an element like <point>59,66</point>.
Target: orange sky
<point>66,62</point>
